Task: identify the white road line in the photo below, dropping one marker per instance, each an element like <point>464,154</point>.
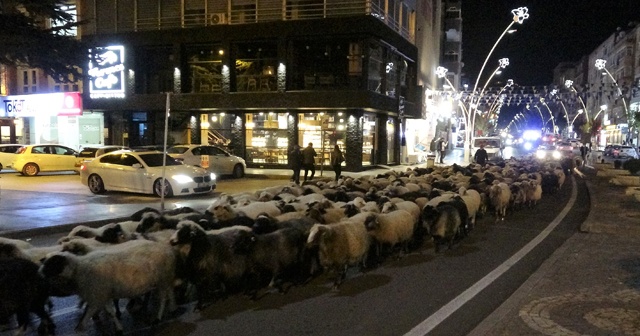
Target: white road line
<point>434,320</point>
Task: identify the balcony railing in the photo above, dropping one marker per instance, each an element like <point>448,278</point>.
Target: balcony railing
<point>157,18</point>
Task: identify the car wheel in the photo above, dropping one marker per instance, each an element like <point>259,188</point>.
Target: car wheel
<point>30,169</point>
<point>157,188</point>
<point>238,171</point>
<point>96,185</point>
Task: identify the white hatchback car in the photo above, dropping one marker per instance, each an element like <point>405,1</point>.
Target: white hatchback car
<point>220,161</point>
<point>8,154</point>
<point>141,172</point>
<point>33,159</point>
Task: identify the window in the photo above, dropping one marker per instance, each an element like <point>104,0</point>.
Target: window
<point>244,12</point>
<point>267,137</point>
<point>25,78</point>
<point>256,65</point>
<point>205,68</point>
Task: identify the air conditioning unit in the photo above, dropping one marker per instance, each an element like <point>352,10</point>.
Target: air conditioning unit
<point>218,18</point>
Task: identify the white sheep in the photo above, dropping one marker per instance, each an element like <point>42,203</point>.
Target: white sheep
<point>500,196</point>
<point>393,228</point>
<point>472,200</point>
<point>409,206</point>
<point>125,270</point>
<point>340,245</point>
<point>254,209</point>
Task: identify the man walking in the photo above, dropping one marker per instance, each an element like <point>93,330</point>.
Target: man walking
<point>308,161</point>
<point>443,149</point>
<point>481,155</point>
<point>295,161</point>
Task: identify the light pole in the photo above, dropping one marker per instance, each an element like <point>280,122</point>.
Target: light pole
<point>601,65</point>
<point>541,117</point>
<point>602,108</point>
<point>574,118</point>
<point>495,101</point>
<point>550,113</point>
<point>519,15</point>
<point>569,84</point>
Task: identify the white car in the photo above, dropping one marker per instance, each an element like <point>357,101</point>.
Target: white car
<point>141,172</point>
<point>33,159</point>
<point>8,154</point>
<point>218,160</point>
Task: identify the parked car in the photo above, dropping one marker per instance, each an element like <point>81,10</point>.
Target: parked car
<point>8,154</point>
<point>87,154</point>
<point>141,172</point>
<point>215,158</point>
<point>33,159</point>
<point>621,151</point>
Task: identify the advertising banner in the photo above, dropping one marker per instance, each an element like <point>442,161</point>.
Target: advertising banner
<point>107,73</point>
<point>46,104</point>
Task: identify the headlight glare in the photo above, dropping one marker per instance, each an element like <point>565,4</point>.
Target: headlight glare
<point>182,178</point>
<point>213,177</point>
<point>540,154</point>
<point>556,155</point>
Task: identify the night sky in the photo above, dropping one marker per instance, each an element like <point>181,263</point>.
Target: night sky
<point>556,31</point>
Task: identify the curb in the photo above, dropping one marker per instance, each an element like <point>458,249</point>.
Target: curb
<point>55,229</point>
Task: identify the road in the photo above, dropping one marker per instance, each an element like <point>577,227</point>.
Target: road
<point>447,293</point>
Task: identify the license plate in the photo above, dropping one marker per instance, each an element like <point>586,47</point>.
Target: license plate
<point>202,185</point>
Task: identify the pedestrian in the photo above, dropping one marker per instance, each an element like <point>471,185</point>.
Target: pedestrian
<point>295,162</point>
<point>481,156</point>
<point>308,161</point>
<point>336,161</point>
<point>583,152</point>
<point>443,149</point>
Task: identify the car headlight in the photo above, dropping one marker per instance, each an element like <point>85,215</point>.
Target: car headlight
<point>213,176</point>
<point>540,154</point>
<point>528,146</point>
<point>182,178</point>
<point>556,155</point>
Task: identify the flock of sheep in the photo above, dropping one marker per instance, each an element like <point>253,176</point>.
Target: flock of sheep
<point>246,242</point>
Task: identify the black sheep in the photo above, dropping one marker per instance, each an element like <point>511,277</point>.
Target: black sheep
<point>24,291</point>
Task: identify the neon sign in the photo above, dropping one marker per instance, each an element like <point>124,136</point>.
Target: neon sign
<point>53,104</point>
<point>107,73</point>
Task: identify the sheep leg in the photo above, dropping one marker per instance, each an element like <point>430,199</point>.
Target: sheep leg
<point>46,327</point>
<point>112,312</point>
<point>23,320</point>
<point>89,311</point>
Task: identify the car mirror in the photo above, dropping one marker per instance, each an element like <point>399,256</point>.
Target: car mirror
<point>136,165</point>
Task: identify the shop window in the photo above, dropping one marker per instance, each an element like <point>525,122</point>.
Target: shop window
<point>391,141</point>
<point>256,66</point>
<point>368,139</point>
<point>376,69</point>
<point>323,65</point>
<point>218,128</point>
<point>154,70</point>
<point>205,68</point>
<point>267,137</point>
<point>324,131</point>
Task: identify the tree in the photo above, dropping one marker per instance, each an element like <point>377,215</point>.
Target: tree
<point>28,38</point>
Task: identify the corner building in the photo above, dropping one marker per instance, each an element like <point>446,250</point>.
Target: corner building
<point>258,76</point>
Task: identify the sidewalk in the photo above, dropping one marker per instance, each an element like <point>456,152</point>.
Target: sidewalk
<point>591,284</point>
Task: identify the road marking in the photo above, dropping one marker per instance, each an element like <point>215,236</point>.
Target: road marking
<point>434,320</point>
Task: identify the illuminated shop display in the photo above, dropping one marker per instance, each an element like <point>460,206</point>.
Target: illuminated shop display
<point>266,137</point>
<point>324,130</point>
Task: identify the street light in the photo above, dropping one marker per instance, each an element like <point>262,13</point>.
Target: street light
<point>600,65</point>
<point>541,117</point>
<point>574,118</point>
<point>602,108</point>
<point>519,15</point>
<point>569,84</point>
<point>550,113</point>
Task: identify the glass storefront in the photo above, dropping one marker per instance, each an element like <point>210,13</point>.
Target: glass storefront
<point>368,139</point>
<point>391,141</point>
<point>205,68</point>
<point>217,129</point>
<point>266,137</point>
<point>324,131</point>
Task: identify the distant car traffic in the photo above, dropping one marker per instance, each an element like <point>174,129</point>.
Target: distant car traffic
<point>141,172</point>
<point>89,153</point>
<point>550,153</point>
<point>218,160</point>
<point>8,154</point>
<point>33,159</point>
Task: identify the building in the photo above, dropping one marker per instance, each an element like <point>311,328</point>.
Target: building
<point>260,76</point>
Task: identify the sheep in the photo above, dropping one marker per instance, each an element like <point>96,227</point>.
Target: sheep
<point>273,253</point>
<point>223,213</point>
<point>518,195</point>
<point>327,216</point>
<point>126,270</point>
<point>225,216</point>
<point>534,192</point>
<point>393,228</point>
<point>446,227</point>
<point>340,245</point>
<point>83,231</point>
<point>209,260</point>
<point>10,249</point>
<point>152,221</point>
<point>24,291</point>
<point>550,183</point>
<point>500,196</point>
<point>266,224</point>
<point>473,201</point>
<point>409,206</point>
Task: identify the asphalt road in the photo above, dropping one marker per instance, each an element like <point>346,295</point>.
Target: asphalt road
<point>448,293</point>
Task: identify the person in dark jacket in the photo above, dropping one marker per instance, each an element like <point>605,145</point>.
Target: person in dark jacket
<point>295,162</point>
<point>308,161</point>
<point>336,161</point>
<point>481,155</point>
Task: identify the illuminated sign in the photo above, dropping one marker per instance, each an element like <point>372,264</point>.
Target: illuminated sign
<point>52,104</point>
<point>106,73</point>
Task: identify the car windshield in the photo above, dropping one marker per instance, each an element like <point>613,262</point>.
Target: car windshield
<point>88,152</point>
<point>488,143</point>
<point>155,160</point>
<point>177,150</point>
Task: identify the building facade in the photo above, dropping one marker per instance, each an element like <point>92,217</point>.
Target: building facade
<point>258,77</point>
